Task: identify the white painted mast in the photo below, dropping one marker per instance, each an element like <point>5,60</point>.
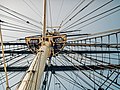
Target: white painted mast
<point>33,77</point>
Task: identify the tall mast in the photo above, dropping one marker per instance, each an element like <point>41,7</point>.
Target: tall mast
<point>33,77</point>
<point>44,18</point>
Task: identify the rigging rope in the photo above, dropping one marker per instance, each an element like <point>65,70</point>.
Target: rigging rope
<point>92,17</point>
<point>50,13</point>
<point>7,84</point>
<point>20,14</point>
<point>36,8</point>
<point>28,22</point>
<point>32,9</point>
<point>78,12</point>
<point>74,9</point>
<point>59,11</point>
<point>91,12</point>
<point>73,80</point>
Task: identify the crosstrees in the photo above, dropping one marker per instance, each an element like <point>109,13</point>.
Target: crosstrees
<point>64,68</point>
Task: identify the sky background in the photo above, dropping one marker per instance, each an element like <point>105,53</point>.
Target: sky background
<point>57,10</point>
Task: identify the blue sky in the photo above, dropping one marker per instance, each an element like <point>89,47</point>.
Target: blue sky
<point>60,9</point>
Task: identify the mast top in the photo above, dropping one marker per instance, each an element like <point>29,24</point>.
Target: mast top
<point>44,19</point>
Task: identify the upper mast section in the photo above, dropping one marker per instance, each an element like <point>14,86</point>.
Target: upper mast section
<point>55,39</point>
<point>44,18</point>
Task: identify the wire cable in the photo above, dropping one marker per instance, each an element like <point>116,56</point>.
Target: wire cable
<point>32,8</point>
<point>50,12</point>
<point>18,29</point>
<point>21,14</point>
<point>91,12</point>
<point>71,12</point>
<point>74,9</point>
<point>59,11</point>
<point>91,18</point>
<point>7,84</point>
<point>19,25</point>
<point>36,8</point>
<point>28,22</point>
<point>78,12</point>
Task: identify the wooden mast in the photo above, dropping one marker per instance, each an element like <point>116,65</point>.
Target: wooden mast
<point>33,77</point>
<point>44,18</point>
